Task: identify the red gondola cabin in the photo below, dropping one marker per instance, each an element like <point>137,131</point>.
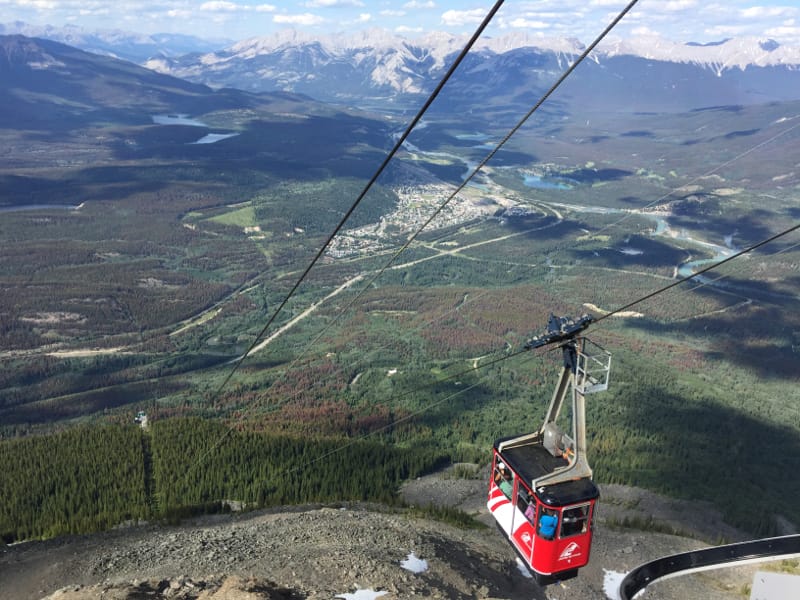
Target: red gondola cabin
<point>541,492</point>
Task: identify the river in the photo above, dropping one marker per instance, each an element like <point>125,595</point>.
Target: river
<point>663,229</point>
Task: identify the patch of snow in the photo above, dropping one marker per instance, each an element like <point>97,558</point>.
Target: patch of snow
<point>47,63</point>
<point>362,595</point>
<point>177,119</point>
<point>414,564</point>
<point>391,372</point>
<point>211,138</point>
<point>631,251</point>
<point>729,240</point>
<point>523,569</point>
<point>611,582</point>
<point>782,177</point>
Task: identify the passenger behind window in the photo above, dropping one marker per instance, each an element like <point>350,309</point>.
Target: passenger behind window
<point>502,479</point>
<point>548,522</point>
<point>526,504</point>
<point>530,512</point>
<point>575,521</point>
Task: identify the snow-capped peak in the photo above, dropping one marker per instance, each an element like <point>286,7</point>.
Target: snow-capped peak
<point>727,54</point>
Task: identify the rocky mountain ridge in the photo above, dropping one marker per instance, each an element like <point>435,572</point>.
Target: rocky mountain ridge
<point>381,69</point>
<point>361,551</point>
<point>117,43</point>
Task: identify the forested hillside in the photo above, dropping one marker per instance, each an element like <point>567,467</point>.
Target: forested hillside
<point>92,478</point>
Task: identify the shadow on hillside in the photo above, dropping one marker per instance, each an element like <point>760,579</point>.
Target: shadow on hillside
<point>637,251</point>
<point>743,133</point>
<point>544,227</point>
<point>762,338</point>
<point>697,449</point>
<point>300,148</point>
<point>638,134</point>
<point>500,579</point>
<point>732,108</point>
<point>102,183</point>
<point>746,229</point>
<point>87,403</point>
<point>593,176</point>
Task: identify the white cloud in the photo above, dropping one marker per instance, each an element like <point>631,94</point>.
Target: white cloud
<point>418,4</point>
<point>219,6</point>
<point>787,32</point>
<point>37,4</point>
<point>725,31</point>
<point>644,30</point>
<point>457,18</point>
<point>304,19</point>
<point>405,29</point>
<point>678,5</point>
<point>179,13</point>
<point>523,23</point>
<point>392,13</point>
<point>265,8</point>
<point>333,3</point>
<point>364,18</point>
<point>756,12</point>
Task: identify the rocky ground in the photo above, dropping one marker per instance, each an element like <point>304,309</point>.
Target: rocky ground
<point>317,553</point>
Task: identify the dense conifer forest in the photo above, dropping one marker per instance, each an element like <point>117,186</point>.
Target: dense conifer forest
<point>92,478</point>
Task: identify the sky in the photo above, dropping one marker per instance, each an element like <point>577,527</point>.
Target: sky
<point>678,20</point>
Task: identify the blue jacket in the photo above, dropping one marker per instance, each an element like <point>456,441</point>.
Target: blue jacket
<point>547,526</point>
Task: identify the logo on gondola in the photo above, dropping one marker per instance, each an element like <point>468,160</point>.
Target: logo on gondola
<point>526,537</point>
<point>570,552</point>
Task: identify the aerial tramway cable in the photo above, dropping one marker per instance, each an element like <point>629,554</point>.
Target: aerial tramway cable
<point>396,148</point>
<point>466,181</point>
<point>706,174</point>
<point>398,144</point>
<point>700,272</point>
<point>463,184</point>
<point>522,351</point>
<point>367,187</point>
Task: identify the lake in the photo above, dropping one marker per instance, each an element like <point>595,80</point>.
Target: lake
<point>535,181</point>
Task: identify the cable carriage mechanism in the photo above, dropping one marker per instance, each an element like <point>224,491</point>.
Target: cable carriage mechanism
<point>541,491</point>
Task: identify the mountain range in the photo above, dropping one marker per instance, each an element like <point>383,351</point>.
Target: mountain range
<point>637,74</point>
<point>56,96</point>
<point>134,47</point>
<point>49,84</point>
<point>378,69</point>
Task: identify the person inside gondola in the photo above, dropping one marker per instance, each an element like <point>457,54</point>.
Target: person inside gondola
<point>502,478</point>
<point>526,504</point>
<point>548,522</point>
<point>530,512</point>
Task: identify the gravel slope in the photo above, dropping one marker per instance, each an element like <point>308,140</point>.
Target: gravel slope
<point>322,552</point>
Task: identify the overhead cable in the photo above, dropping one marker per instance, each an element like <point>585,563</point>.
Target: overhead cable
<point>398,144</point>
<point>363,193</point>
<point>475,171</point>
<point>508,136</point>
<point>700,272</point>
<point>522,351</point>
